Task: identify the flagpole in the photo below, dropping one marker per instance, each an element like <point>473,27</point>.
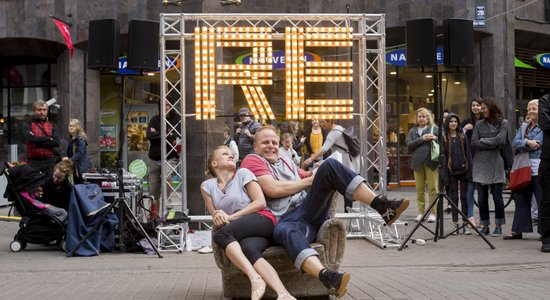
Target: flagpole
<point>61,20</point>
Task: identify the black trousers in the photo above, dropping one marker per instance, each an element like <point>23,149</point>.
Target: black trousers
<point>254,232</point>
<point>544,208</point>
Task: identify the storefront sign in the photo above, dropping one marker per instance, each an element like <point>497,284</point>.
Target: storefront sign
<point>543,59</point>
<point>138,168</point>
<point>480,16</point>
<point>108,137</point>
<point>398,57</point>
<point>278,59</point>
<point>123,64</point>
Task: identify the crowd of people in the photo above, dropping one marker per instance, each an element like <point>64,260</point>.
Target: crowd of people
<point>275,185</point>
<point>475,160</point>
<point>59,168</point>
<point>282,162</point>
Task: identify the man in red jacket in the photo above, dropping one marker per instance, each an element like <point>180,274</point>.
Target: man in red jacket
<point>41,140</point>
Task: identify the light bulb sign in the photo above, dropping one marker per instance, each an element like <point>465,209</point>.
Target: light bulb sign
<point>254,72</point>
<point>278,59</point>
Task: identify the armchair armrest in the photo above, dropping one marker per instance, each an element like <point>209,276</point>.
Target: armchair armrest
<point>332,235</point>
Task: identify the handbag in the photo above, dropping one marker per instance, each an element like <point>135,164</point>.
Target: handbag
<point>520,175</point>
<point>434,148</point>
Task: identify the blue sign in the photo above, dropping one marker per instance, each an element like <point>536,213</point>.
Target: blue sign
<point>398,57</point>
<point>123,64</point>
<point>278,59</point>
<point>543,59</point>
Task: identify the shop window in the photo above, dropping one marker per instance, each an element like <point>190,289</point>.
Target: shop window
<point>408,89</point>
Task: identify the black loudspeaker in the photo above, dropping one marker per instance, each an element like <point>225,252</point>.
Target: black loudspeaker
<point>143,45</point>
<point>458,49</point>
<point>103,38</point>
<point>420,41</point>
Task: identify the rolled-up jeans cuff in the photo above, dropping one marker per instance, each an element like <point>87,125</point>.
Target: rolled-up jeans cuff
<point>500,221</point>
<point>302,256</point>
<point>352,186</point>
<point>485,222</point>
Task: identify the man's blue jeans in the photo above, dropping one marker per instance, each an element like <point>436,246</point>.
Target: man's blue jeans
<point>297,229</point>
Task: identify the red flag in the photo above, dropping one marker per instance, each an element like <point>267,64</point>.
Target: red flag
<point>64,29</point>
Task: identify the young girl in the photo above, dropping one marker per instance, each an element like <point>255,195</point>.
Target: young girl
<point>77,150</point>
<point>459,166</point>
<point>425,170</point>
<point>237,205</point>
<point>286,149</point>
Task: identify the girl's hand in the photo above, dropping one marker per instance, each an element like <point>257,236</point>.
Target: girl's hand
<point>468,127</point>
<point>533,144</point>
<point>220,218</point>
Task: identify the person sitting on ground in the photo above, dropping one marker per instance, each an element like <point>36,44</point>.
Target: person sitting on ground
<point>302,213</point>
<point>58,188</point>
<point>237,205</point>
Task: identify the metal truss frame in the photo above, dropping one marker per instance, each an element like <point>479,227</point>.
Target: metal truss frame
<point>369,45</point>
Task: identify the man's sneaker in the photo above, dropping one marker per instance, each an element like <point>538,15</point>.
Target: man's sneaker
<point>390,210</point>
<point>335,282</point>
<point>431,218</point>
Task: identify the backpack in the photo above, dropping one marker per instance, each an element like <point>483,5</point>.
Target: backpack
<point>352,142</point>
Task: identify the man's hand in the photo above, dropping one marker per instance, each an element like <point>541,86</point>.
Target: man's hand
<point>153,129</point>
<point>239,131</point>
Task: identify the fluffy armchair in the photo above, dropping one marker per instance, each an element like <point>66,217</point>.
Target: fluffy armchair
<point>330,244</point>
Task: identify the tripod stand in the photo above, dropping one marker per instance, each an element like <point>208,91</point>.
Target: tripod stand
<point>439,232</point>
<point>125,216</point>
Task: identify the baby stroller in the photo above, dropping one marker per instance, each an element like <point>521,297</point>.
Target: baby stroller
<point>35,226</point>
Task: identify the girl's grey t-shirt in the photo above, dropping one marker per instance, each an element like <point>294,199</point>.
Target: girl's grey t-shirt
<point>234,197</point>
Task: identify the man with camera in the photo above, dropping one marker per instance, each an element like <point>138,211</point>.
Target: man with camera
<point>245,133</point>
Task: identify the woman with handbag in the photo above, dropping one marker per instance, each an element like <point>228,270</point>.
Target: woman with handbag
<point>77,150</point>
<point>420,141</point>
<point>490,134</point>
<point>527,142</point>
